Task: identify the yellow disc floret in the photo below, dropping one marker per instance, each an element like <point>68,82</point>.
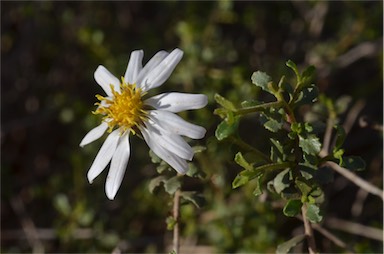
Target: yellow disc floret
<point>124,110</point>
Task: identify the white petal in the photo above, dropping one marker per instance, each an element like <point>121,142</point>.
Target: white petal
<point>104,156</point>
<point>134,66</point>
<point>171,142</point>
<point>174,161</point>
<point>152,63</point>
<point>118,167</point>
<point>177,102</point>
<point>104,78</point>
<point>162,71</point>
<point>175,124</point>
<point>94,134</point>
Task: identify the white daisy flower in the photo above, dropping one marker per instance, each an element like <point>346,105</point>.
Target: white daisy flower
<point>125,111</point>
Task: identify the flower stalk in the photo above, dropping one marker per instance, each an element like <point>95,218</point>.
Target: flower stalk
<point>176,216</point>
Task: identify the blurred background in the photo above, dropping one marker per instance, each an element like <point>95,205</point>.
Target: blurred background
<point>49,51</point>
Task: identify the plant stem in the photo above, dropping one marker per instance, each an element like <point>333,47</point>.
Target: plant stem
<point>176,209</point>
<point>308,231</point>
<point>257,108</point>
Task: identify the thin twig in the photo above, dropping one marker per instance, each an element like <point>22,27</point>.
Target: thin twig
<point>356,179</point>
<point>176,233</point>
<point>337,241</point>
<point>355,228</point>
<point>358,204</point>
<point>327,136</point>
<point>308,231</point>
<point>352,115</point>
<point>46,234</point>
<point>27,225</point>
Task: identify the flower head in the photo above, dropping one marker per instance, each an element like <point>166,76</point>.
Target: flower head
<point>125,110</point>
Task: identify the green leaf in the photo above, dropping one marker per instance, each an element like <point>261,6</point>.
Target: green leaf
<point>310,144</point>
<point>172,185</point>
<point>281,181</point>
<point>307,75</point>
<point>307,95</point>
<point>224,129</point>
<point>296,128</point>
<point>162,167</point>
<point>171,222</point>
<point>292,208</point>
<point>62,204</point>
<point>293,66</point>
<point>340,136</point>
<point>193,171</point>
<point>250,103</point>
<point>154,157</point>
<point>286,246</point>
<point>246,175</point>
<point>338,154</point>
<point>261,79</point>
<point>239,159</point>
<point>304,188</point>
<point>258,191</point>
<point>222,112</point>
<point>354,163</point>
<point>155,182</point>
<point>273,125</point>
<point>193,197</point>
<point>277,151</point>
<point>313,213</point>
<point>239,180</point>
<point>224,102</point>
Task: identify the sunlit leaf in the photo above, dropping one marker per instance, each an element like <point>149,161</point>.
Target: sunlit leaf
<point>239,159</point>
<point>273,125</point>
<point>258,191</point>
<point>193,197</point>
<point>261,79</point>
<point>224,129</point>
<point>310,144</point>
<point>281,181</point>
<point>224,102</point>
<point>313,213</point>
<point>172,185</point>
<point>155,182</point>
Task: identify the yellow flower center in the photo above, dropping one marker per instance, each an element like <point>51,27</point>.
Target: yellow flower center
<point>124,110</point>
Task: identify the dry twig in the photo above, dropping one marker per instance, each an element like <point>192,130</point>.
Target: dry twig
<point>355,228</point>
<point>356,179</point>
<point>27,225</point>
